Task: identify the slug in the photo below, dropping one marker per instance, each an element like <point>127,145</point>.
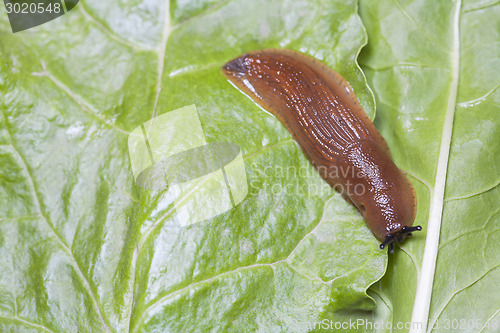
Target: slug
<point>321,111</point>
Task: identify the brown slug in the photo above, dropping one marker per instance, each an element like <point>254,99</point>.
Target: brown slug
<point>321,111</point>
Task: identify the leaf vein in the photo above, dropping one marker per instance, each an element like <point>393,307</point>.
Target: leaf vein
<point>107,31</point>
<point>481,6</point>
<point>408,16</point>
<point>455,293</point>
<point>479,100</point>
<point>443,244</point>
<point>466,196</point>
<point>26,322</point>
<point>487,322</point>
<point>178,291</point>
<point>84,105</point>
<point>216,6</point>
<point>167,29</point>
<point>38,204</point>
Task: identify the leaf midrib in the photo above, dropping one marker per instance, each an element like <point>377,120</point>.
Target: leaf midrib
<point>425,279</point>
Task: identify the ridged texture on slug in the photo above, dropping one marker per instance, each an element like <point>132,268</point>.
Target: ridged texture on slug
<point>322,113</point>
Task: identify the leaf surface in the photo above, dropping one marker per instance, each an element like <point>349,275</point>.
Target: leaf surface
<point>86,249</point>
<point>435,79</point>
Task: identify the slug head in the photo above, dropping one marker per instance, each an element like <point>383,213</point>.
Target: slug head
<point>398,237</point>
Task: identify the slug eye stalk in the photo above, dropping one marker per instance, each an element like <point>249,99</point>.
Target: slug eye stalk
<point>388,240</point>
<point>409,230</point>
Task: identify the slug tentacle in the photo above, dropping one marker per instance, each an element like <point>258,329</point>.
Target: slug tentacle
<point>388,240</point>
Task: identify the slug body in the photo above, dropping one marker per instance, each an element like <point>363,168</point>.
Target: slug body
<point>321,111</point>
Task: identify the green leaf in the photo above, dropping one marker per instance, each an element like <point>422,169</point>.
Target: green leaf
<point>83,248</point>
<point>434,68</point>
